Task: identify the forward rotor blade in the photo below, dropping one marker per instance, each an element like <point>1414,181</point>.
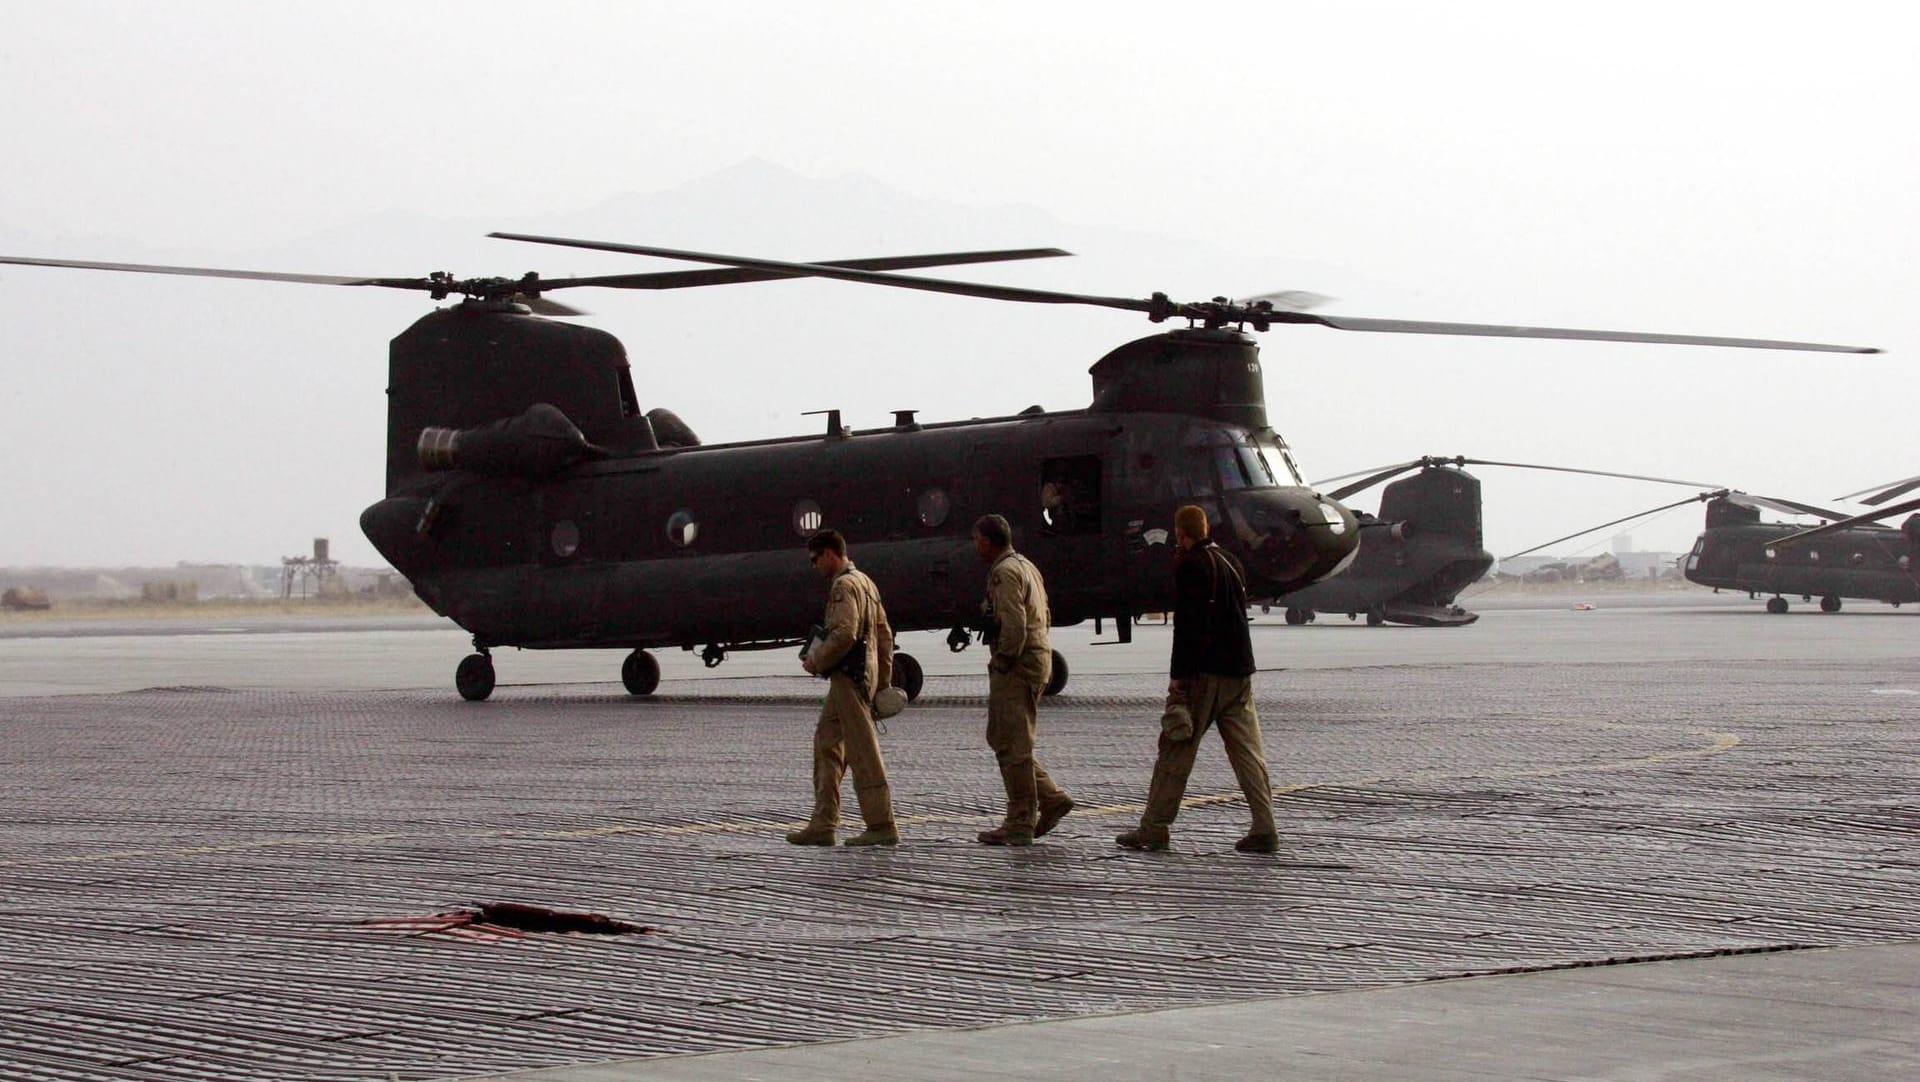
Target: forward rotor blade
<point>736,276</point>
<point>1491,330</point>
<point>1629,518</point>
<point>1849,523</point>
<point>1884,492</point>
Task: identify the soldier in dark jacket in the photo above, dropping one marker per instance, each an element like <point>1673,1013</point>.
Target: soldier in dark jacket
<point>1212,675</point>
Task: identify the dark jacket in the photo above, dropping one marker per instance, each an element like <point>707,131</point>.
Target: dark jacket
<point>1210,615</point>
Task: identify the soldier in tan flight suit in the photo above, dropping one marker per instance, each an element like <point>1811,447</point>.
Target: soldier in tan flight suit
<point>845,737</point>
<point>1017,675</point>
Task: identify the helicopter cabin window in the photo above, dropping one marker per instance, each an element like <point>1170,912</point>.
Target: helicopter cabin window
<point>1070,494</point>
<point>682,528</point>
<point>931,507</point>
<point>565,538</point>
<point>807,518</point>
<point>1242,467</point>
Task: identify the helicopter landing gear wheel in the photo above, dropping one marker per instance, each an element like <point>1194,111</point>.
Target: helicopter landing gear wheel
<point>1829,604</point>
<point>1057,682</point>
<point>640,672</point>
<point>907,675</point>
<point>1776,605</point>
<point>1297,617</point>
<point>1375,617</point>
<point>958,638</point>
<point>474,677</point>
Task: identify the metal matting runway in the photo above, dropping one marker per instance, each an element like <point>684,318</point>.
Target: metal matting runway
<point>186,872</point>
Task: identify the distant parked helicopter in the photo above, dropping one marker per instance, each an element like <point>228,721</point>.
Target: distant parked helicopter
<point>1850,556</point>
<point>532,501</point>
<point>1422,548</point>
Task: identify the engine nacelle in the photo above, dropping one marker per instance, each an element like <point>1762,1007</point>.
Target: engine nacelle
<point>538,443</point>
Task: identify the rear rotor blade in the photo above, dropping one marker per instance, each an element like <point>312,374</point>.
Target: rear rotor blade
<point>735,276</point>
<point>216,272</point>
<point>1849,523</point>
<point>780,268</point>
<point>1160,307</point>
<point>1786,506</point>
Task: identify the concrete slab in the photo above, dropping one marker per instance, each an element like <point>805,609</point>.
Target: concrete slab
<point>1834,1015</point>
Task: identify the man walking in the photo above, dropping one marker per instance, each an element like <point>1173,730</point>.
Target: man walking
<point>1017,674</point>
<point>1212,673</point>
<point>857,654</point>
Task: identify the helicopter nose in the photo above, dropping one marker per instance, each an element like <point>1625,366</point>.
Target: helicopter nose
<point>1293,537</point>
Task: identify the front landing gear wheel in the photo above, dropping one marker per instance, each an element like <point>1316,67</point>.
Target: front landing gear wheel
<point>474,677</point>
<point>907,675</point>
<point>1057,682</point>
<point>640,672</point>
<point>1776,605</point>
<point>1829,604</point>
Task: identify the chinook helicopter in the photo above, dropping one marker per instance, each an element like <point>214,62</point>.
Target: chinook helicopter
<point>1855,556</point>
<point>1423,546</point>
<point>531,500</point>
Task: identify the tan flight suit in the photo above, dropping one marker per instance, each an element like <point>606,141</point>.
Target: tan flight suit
<point>1017,675</point>
<point>1227,700</point>
<point>845,737</point>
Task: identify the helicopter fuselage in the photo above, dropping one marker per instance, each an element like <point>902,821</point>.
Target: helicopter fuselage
<point>642,545</point>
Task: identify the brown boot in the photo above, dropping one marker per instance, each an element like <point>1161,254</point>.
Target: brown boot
<point>1156,841</point>
<point>880,835</point>
<point>1259,842</point>
<point>1005,836</point>
<point>811,835</point>
<point>1051,814</point>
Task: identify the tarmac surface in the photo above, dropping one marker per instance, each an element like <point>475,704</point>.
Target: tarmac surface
<point>226,851</point>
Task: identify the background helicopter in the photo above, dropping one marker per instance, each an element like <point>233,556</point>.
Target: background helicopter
<point>1851,556</point>
<point>1423,546</point>
<point>532,501</point>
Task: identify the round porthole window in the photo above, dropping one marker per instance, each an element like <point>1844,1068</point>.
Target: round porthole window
<point>565,538</point>
<point>1771,553</point>
<point>807,518</point>
<point>1814,556</point>
<point>682,529</point>
<point>932,508</point>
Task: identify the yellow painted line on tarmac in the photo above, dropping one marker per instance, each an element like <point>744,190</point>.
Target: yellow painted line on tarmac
<point>1717,744</point>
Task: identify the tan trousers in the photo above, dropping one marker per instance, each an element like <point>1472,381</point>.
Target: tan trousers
<point>845,738</point>
<point>1013,706</point>
<point>1229,701</point>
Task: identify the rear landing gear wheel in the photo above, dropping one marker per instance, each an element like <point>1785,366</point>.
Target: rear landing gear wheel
<point>640,672</point>
<point>1829,604</point>
<point>474,677</point>
<point>1776,605</point>
<point>1057,682</point>
<point>1299,616</point>
<point>1375,617</point>
<point>907,675</point>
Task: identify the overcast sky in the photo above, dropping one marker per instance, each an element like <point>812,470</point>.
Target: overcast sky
<point>1746,169</point>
